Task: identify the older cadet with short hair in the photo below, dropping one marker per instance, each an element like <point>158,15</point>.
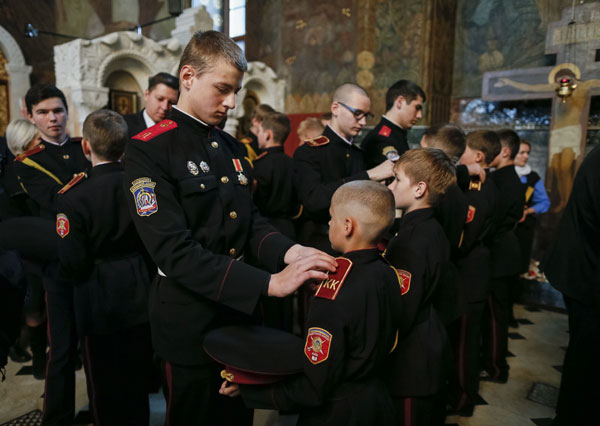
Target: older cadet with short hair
<point>192,207</point>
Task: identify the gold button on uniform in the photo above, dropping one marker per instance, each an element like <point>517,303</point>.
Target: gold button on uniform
<point>232,252</point>
<point>347,155</point>
<point>214,144</point>
<point>66,156</point>
<point>233,215</point>
<point>224,179</point>
<point>202,186</point>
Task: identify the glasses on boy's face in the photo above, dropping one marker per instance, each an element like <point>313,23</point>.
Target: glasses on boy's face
<point>357,113</point>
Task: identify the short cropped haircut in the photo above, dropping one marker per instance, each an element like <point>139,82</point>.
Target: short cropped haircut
<point>106,131</point>
<point>163,78</point>
<point>346,90</point>
<point>510,139</point>
<point>310,124</point>
<point>205,49</point>
<point>409,90</point>
<point>370,203</point>
<point>485,141</point>
<point>41,92</point>
<point>19,133</point>
<point>260,111</point>
<point>279,124</point>
<point>429,165</point>
<point>526,143</point>
<point>447,137</point>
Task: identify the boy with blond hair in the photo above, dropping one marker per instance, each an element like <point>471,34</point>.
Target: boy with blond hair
<point>351,325</point>
<point>416,371</point>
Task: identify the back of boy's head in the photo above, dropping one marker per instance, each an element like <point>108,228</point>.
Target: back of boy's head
<point>310,125</point>
<point>370,203</point>
<point>485,141</point>
<point>447,137</point>
<point>429,165</point>
<point>106,131</point>
<point>41,92</point>
<point>260,111</point>
<point>206,48</point>
<point>510,139</point>
<point>279,124</point>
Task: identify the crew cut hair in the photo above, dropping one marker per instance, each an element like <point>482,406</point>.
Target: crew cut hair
<point>206,48</point>
<point>485,141</point>
<point>447,137</point>
<point>106,131</point>
<point>510,139</point>
<point>279,124</point>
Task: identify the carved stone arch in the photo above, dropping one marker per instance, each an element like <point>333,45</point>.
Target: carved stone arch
<point>131,61</point>
<point>18,71</point>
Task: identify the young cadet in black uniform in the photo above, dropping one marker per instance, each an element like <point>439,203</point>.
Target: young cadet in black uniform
<point>388,140</point>
<point>251,141</point>
<point>191,204</point>
<point>274,192</point>
<point>473,267</point>
<point>505,259</point>
<point>572,265</point>
<point>43,171</point>
<point>351,325</point>
<point>417,369</point>
<point>327,162</point>
<point>101,252</point>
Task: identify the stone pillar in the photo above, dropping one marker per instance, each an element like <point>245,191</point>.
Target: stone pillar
<point>18,85</point>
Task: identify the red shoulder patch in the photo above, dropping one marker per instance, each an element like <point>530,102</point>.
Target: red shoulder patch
<point>318,342</point>
<point>157,129</point>
<point>403,279</point>
<point>30,152</point>
<point>78,178</point>
<point>62,225</point>
<point>385,131</point>
<point>318,141</point>
<point>470,214</point>
<point>475,185</point>
<point>329,288</point>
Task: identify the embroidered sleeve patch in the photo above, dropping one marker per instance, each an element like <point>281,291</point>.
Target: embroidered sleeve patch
<point>385,131</point>
<point>390,153</point>
<point>144,196</point>
<point>62,225</point>
<point>470,214</point>
<point>403,280</point>
<point>318,342</point>
<point>330,287</point>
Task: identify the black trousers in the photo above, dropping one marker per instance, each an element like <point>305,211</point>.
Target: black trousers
<point>117,369</point>
<point>59,392</point>
<point>420,411</point>
<point>193,399</point>
<point>466,337</point>
<point>579,392</point>
<point>495,328</point>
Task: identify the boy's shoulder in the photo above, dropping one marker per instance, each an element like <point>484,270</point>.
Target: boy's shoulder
<point>77,179</point>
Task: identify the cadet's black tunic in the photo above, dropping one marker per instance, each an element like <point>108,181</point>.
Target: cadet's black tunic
<point>386,134</point>
<point>343,389</point>
<point>196,220</point>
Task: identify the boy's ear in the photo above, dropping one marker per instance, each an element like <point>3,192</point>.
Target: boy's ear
<point>349,227</point>
<point>479,157</point>
<point>269,134</point>
<point>420,189</point>
<point>86,148</point>
<point>399,102</point>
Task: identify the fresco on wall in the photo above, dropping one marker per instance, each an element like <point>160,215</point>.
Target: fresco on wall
<point>496,35</point>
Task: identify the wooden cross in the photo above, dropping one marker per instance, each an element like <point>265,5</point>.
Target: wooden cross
<point>575,40</point>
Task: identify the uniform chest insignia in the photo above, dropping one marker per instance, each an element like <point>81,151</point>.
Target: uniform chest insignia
<point>204,167</point>
<point>385,131</point>
<point>62,225</point>
<point>318,342</point>
<point>390,153</point>
<point>192,168</point>
<point>30,152</point>
<point>403,280</point>
<point>470,214</point>
<point>318,141</point>
<point>330,287</point>
<point>76,179</point>
<point>237,164</point>
<point>142,190</point>
<point>157,129</point>
<point>475,185</point>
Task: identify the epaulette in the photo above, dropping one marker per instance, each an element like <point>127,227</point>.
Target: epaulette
<point>318,141</point>
<point>246,140</point>
<point>330,287</point>
<point>154,131</point>
<point>385,131</point>
<point>258,157</point>
<point>475,185</point>
<point>403,279</point>
<point>30,152</point>
<point>78,178</point>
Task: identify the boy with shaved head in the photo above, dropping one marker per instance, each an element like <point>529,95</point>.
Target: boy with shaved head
<point>325,163</point>
<point>351,326</point>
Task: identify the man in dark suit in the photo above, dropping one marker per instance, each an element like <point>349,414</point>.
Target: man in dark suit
<point>161,94</point>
